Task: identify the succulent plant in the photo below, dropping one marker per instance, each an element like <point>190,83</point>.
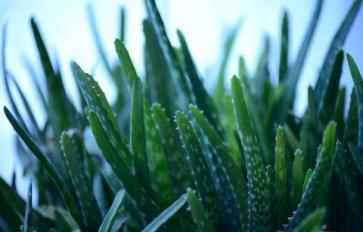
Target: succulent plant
<point>168,155</point>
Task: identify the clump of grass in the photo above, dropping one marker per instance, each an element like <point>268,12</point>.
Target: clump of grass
<point>172,156</point>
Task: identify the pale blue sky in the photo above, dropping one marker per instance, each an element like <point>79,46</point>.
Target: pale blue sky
<point>66,31</point>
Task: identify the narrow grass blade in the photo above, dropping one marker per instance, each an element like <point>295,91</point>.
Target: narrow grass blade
<point>280,176</point>
<point>202,98</point>
<point>28,210</point>
<point>198,165</point>
<point>126,63</point>
<point>313,220</point>
<point>358,84</point>
<point>112,213</point>
<point>259,210</point>
<point>56,177</point>
<point>321,170</point>
<point>284,48</point>
<point>122,31</point>
<point>129,181</point>
<point>178,166</point>
<point>339,113</point>
<point>228,179</point>
<point>351,122</point>
<point>73,153</point>
<point>298,179</point>
<point>97,103</point>
<point>198,212</point>
<point>336,44</point>
<point>168,213</point>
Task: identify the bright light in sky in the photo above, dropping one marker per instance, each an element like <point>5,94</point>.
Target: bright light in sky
<point>65,28</point>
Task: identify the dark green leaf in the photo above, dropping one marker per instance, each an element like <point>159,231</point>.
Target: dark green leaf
<point>284,47</point>
<point>313,220</point>
<point>112,213</point>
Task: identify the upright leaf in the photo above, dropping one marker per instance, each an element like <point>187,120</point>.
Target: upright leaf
<point>298,179</point>
<point>312,221</point>
<point>284,47</point>
<point>112,213</point>
<point>28,210</point>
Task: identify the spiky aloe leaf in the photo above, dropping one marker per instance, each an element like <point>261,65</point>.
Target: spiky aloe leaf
<point>284,47</point>
<point>336,44</point>
<point>74,157</point>
<point>312,221</point>
<point>298,179</point>
<point>112,213</point>
<point>351,129</point>
<point>307,177</point>
<point>326,104</point>
<point>350,176</point>
<point>157,162</point>
<point>166,214</point>
<point>321,170</point>
<point>198,165</point>
<point>198,212</point>
<point>28,210</point>
<point>280,176</point>
<point>129,181</point>
<point>339,113</point>
<point>178,167</point>
<point>202,98</point>
<point>61,111</point>
<point>227,51</point>
<point>358,84</point>
<point>137,135</point>
<point>228,179</point>
<point>258,195</point>
<point>44,160</point>
<point>97,102</point>
<point>167,51</point>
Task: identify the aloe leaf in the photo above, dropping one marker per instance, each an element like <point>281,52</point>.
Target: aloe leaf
<point>178,166</point>
<point>284,47</point>
<point>126,62</point>
<point>60,109</point>
<point>56,177</point>
<point>168,52</point>
<point>74,156</point>
<point>10,195</point>
<point>137,135</point>
<point>357,157</point>
<point>166,215</point>
<point>339,113</point>
<point>12,218</point>
<point>129,181</point>
<point>280,175</point>
<point>337,42</point>
<point>259,210</point>
<point>358,83</point>
<point>97,103</point>
<point>228,179</point>
<point>28,210</point>
<point>202,98</point>
<point>312,221</point>
<point>158,165</point>
<point>227,51</point>
<point>298,179</point>
<point>307,177</point>
<point>350,176</point>
<point>198,165</point>
<point>112,213</point>
<point>351,122</point>
<point>321,170</point>
<point>122,31</point>
<point>326,104</point>
<point>198,212</point>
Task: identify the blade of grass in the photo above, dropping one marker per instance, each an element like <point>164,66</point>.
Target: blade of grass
<point>28,210</point>
<point>284,48</point>
<point>112,213</point>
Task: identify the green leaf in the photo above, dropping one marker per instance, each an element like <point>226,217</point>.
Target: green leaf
<point>280,176</point>
<point>202,98</point>
<point>10,195</point>
<point>307,177</point>
<point>339,113</point>
<point>97,103</point>
<point>130,182</point>
<point>228,179</point>
<point>312,221</point>
<point>166,215</point>
<point>54,174</point>
<point>258,195</point>
<point>122,36</point>
<point>321,171</point>
<point>28,210</point>
<point>198,212</point>
<point>357,157</point>
<point>137,135</point>
<point>181,178</point>
<point>227,51</point>
<point>358,84</point>
<point>112,213</point>
<point>198,165</point>
<point>298,179</point>
<point>336,44</point>
<point>284,48</point>
<point>351,122</point>
<point>73,153</point>
<point>126,63</point>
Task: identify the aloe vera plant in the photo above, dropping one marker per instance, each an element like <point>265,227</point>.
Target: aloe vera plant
<point>169,155</point>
